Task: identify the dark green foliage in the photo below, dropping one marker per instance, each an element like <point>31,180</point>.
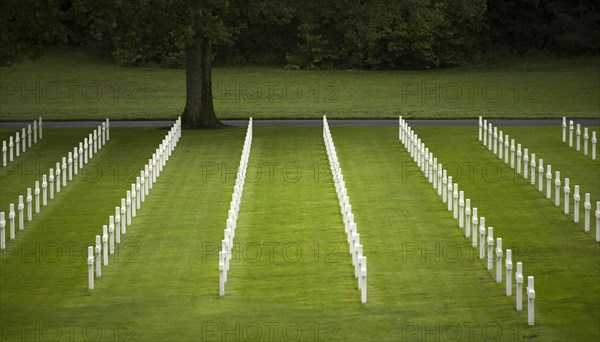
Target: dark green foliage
<point>388,34</point>
<point>559,25</point>
<point>25,25</point>
<point>145,32</point>
<point>259,44</point>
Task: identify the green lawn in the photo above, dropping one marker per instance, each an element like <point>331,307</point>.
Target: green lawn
<point>550,246</point>
<point>6,133</point>
<point>22,173</point>
<point>70,85</point>
<point>547,144</point>
<point>423,279</point>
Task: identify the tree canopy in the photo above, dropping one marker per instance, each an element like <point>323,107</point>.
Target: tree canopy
<point>300,34</point>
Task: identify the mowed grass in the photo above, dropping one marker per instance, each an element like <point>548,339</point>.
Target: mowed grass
<point>547,144</point>
<point>6,133</point>
<point>291,277</point>
<point>563,259</point>
<point>41,271</point>
<point>29,167</point>
<point>67,84</point>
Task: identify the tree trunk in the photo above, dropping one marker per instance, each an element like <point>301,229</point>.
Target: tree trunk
<point>199,111</point>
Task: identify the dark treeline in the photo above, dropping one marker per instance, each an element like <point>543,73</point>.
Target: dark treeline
<point>571,27</point>
<point>386,34</point>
